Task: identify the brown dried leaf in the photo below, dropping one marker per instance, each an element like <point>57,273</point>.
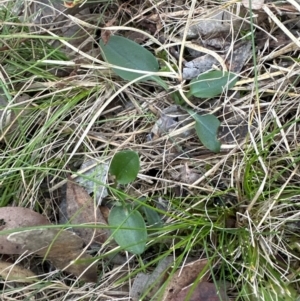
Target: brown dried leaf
<point>105,212</point>
<point>172,118</point>
<point>139,286</point>
<point>239,57</point>
<point>15,272</point>
<point>184,277</point>
<point>105,35</point>
<point>204,291</point>
<point>212,27</point>
<point>198,65</point>
<point>188,175</point>
<point>154,281</point>
<point>137,37</point>
<point>79,208</point>
<point>17,217</point>
<point>234,129</point>
<point>60,247</point>
<point>280,39</point>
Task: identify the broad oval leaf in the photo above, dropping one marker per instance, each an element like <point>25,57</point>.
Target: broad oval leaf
<point>125,166</point>
<point>207,129</point>
<point>212,83</point>
<point>129,229</point>
<point>125,53</point>
<point>153,219</point>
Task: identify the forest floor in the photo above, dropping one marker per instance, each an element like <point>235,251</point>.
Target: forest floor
<point>219,200</point>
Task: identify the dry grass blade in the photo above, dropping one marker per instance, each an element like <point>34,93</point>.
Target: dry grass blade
<point>281,26</point>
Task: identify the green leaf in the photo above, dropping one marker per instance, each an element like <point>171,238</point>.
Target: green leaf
<point>125,166</point>
<point>177,98</point>
<point>125,53</point>
<point>207,129</point>
<point>129,229</point>
<point>152,217</point>
<point>212,84</point>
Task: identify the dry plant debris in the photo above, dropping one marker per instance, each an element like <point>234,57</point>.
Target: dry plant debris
<point>13,218</point>
<point>16,273</point>
<point>178,286</point>
<point>94,171</point>
<point>61,247</point>
<point>184,277</point>
<point>204,291</point>
<point>257,4</point>
<point>79,208</point>
<point>61,104</point>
